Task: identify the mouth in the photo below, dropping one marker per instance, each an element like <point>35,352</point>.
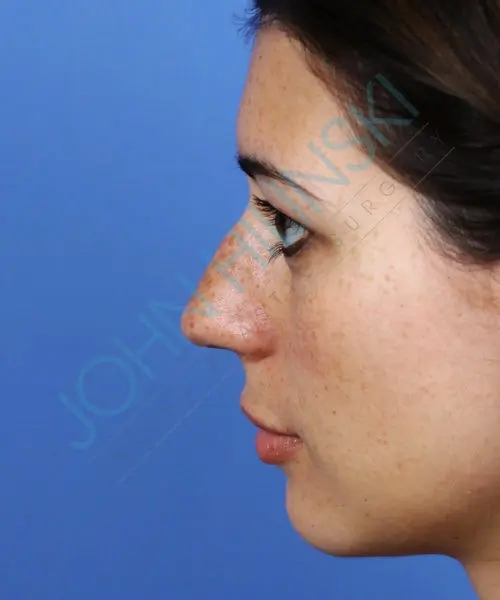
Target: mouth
<point>274,447</point>
<point>265,427</point>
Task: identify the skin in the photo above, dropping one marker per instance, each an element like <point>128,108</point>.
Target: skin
<point>372,346</point>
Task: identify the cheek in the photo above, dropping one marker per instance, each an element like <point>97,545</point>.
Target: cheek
<point>354,330</point>
<point>367,326</point>
<point>349,348</point>
<point>354,340</point>
<point>384,385</point>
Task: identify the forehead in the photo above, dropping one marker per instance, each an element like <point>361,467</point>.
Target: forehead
<point>284,106</point>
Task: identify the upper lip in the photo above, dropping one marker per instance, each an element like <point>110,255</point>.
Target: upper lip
<point>263,426</point>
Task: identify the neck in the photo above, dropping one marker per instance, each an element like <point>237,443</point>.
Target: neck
<point>485,578</point>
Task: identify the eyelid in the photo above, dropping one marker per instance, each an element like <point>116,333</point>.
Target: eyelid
<point>274,215</point>
<point>307,214</point>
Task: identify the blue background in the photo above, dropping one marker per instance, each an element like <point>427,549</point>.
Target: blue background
<point>117,183</point>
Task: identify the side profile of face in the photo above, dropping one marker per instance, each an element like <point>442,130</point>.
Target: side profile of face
<point>378,352</point>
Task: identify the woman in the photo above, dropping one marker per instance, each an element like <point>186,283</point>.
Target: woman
<point>370,332</point>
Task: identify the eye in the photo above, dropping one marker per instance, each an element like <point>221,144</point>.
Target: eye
<point>294,236</point>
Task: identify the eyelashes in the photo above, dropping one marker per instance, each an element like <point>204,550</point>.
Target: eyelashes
<point>282,224</point>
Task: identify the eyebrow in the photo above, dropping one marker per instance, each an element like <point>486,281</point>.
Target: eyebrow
<point>254,167</point>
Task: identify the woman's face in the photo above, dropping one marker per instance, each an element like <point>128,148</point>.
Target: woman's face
<point>381,355</point>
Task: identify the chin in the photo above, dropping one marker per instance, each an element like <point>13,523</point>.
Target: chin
<point>321,525</point>
<point>333,529</point>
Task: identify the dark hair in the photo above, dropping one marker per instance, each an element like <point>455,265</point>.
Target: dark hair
<point>443,56</point>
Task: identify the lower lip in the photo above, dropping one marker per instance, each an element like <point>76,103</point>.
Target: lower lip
<point>274,449</point>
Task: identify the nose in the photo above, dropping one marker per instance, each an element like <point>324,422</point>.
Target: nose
<point>228,309</point>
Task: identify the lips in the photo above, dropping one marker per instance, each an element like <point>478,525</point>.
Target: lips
<point>274,447</point>
<point>265,427</point>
